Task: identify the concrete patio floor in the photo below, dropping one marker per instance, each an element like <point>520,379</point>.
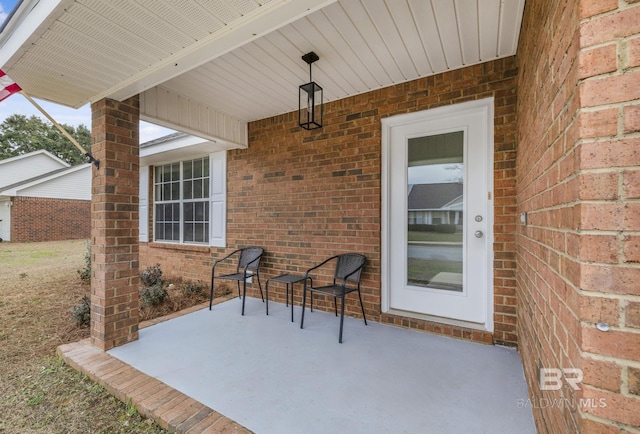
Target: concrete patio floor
<point>266,375</point>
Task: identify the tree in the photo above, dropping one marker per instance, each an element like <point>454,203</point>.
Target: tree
<point>20,135</point>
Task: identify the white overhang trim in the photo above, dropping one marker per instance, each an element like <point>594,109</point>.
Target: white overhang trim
<point>164,107</point>
<point>217,143</point>
<point>178,149</point>
<point>261,21</point>
<point>29,22</point>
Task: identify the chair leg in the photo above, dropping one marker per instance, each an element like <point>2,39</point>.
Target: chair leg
<point>362,307</point>
<point>335,305</point>
<point>211,295</point>
<point>341,320</point>
<point>311,283</point>
<point>291,299</point>
<point>304,301</point>
<point>266,289</point>
<point>260,286</point>
<point>238,282</point>
<point>244,294</point>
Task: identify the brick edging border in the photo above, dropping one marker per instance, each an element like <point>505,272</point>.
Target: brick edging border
<point>171,409</point>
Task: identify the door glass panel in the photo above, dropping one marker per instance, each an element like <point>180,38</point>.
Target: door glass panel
<point>435,211</point>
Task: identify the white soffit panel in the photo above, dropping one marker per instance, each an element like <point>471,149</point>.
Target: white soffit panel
<point>363,45</point>
<point>510,23</point>
<point>270,15</point>
<point>243,57</point>
<point>84,50</point>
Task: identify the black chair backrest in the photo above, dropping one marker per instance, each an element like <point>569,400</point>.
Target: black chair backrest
<point>248,255</point>
<point>347,264</point>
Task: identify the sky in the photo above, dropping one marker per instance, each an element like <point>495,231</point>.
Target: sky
<point>5,7</point>
<point>435,173</point>
<point>17,104</point>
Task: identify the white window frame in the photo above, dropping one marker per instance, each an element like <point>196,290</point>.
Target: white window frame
<point>216,201</point>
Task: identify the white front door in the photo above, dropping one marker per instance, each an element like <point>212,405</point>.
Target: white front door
<point>5,219</point>
<point>437,214</point>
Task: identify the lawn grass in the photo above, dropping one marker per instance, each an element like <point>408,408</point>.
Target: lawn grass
<point>50,397</point>
<point>434,237</point>
<point>39,285</point>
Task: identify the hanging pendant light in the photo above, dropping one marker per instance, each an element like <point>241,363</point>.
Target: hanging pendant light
<point>310,106</point>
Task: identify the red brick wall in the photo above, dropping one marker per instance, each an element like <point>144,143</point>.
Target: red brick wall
<point>608,161</point>
<point>579,87</point>
<point>36,219</point>
<point>306,195</point>
<point>548,268</point>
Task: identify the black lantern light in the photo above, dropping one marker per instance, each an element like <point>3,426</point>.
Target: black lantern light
<point>310,99</point>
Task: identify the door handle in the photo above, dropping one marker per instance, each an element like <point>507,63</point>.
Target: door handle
<point>479,234</point>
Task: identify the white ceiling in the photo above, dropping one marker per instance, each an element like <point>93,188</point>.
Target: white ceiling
<point>243,57</point>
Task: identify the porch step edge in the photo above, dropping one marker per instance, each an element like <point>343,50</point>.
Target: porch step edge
<point>188,416</point>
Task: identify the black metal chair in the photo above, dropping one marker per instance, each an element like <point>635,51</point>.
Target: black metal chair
<point>346,279</point>
<point>248,266</point>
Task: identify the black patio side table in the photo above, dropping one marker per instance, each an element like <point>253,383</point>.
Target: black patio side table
<point>287,279</point>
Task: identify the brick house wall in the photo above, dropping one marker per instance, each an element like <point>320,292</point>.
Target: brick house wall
<point>306,195</point>
<point>35,219</point>
<point>577,178</point>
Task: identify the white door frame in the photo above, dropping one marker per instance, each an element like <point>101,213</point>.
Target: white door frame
<point>5,216</point>
<point>409,118</point>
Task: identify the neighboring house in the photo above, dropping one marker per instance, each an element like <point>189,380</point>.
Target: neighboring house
<point>435,204</point>
<point>43,198</point>
<point>546,97</point>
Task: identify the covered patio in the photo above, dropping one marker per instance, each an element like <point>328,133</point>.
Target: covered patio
<point>552,227</point>
<point>269,376</point>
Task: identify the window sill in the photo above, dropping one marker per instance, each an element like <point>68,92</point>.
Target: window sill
<point>181,247</point>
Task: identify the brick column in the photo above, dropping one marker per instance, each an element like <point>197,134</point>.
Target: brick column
<point>114,222</point>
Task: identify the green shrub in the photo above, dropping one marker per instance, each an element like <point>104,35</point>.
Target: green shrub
<point>153,295</point>
<point>81,313</point>
<point>193,288</point>
<point>85,272</point>
<point>152,276</point>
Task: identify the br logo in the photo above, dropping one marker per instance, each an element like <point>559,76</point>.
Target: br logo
<point>552,378</point>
